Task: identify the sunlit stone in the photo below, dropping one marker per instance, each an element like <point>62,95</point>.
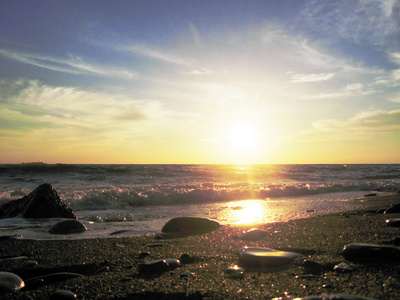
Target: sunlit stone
<point>265,257</point>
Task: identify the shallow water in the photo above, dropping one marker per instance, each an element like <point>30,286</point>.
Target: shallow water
<point>150,219</point>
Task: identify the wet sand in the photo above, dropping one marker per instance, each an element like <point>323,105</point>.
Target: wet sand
<point>110,266</point>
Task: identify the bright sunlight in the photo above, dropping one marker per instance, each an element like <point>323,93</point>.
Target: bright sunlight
<point>242,136</point>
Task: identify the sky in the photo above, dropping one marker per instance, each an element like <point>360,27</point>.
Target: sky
<point>210,82</point>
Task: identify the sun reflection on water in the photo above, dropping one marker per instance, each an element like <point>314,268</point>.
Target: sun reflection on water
<point>247,212</point>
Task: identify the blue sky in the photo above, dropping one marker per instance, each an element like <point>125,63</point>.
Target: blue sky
<point>200,81</point>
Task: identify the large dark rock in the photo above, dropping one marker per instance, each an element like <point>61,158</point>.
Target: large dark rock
<point>190,225</point>
<point>42,202</point>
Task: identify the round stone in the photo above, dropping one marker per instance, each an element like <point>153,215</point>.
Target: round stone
<point>67,227</point>
<point>10,282</point>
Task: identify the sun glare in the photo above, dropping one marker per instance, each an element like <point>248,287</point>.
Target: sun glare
<point>248,212</point>
<point>242,136</point>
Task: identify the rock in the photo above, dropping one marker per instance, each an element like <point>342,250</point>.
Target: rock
<point>342,268</point>
<point>186,259</point>
<point>235,272</point>
<point>393,209</point>
<point>190,225</point>
<point>39,281</point>
<point>162,265</point>
<point>67,227</point>
<point>63,295</point>
<point>254,235</point>
<point>265,257</point>
<point>42,202</point>
<point>371,253</point>
<point>393,222</point>
<point>186,274</point>
<point>333,297</point>
<point>10,282</point>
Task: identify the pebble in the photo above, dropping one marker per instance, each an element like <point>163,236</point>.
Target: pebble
<point>10,282</point>
<point>235,272</point>
<point>67,227</point>
<point>342,267</point>
<point>265,257</point>
<point>190,225</point>
<point>161,265</point>
<point>254,235</point>
<point>63,295</point>
<point>186,274</point>
<point>331,297</point>
<point>371,253</point>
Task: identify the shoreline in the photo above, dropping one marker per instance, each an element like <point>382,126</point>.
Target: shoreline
<point>110,265</point>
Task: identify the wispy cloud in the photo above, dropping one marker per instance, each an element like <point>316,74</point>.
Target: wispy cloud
<point>157,54</point>
<point>71,65</point>
<point>363,20</point>
<point>363,125</point>
<point>301,78</point>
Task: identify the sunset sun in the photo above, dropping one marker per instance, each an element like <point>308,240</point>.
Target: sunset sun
<point>242,136</point>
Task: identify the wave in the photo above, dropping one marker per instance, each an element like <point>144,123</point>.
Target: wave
<point>123,198</point>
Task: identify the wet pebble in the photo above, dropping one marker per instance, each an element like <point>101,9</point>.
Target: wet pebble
<point>342,267</point>
<point>254,235</point>
<point>161,265</point>
<point>265,257</point>
<point>186,274</point>
<point>10,282</point>
<point>371,253</point>
<point>67,227</point>
<point>235,272</point>
<point>63,295</point>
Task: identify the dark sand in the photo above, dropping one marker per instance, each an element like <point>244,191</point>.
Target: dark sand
<point>320,239</point>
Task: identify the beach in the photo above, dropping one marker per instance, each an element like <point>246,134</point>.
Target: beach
<point>110,266</point>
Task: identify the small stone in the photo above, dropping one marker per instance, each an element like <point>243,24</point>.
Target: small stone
<point>265,257</point>
<point>371,253</point>
<point>190,225</point>
<point>161,265</point>
<point>67,227</point>
<point>235,272</point>
<point>10,282</point>
<point>63,295</point>
<point>186,274</point>
<point>254,235</point>
<point>342,267</point>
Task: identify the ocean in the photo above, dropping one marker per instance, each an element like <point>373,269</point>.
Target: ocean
<point>140,199</point>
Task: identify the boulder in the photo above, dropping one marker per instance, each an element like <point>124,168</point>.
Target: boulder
<point>42,202</point>
<point>67,227</point>
<point>190,225</point>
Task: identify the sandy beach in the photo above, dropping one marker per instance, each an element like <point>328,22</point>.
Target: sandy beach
<point>110,266</point>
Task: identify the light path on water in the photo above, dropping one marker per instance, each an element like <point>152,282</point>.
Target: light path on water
<point>150,219</point>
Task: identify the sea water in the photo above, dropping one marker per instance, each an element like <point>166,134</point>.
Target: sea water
<point>140,199</point>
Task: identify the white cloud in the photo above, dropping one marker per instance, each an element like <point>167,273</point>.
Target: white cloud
<point>365,124</point>
<point>72,65</point>
<point>301,78</point>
